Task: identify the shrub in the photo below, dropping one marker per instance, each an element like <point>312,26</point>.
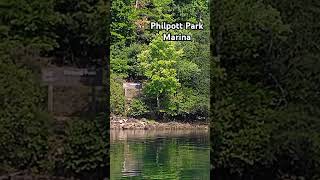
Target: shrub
<point>86,148</point>
<point>137,108</point>
<point>253,140</point>
<point>117,99</point>
<point>24,128</point>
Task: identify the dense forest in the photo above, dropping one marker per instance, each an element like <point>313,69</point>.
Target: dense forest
<point>264,81</point>
<point>265,77</point>
<point>34,34</point>
<point>174,75</point>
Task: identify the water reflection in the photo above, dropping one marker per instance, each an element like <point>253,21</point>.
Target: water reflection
<point>178,154</point>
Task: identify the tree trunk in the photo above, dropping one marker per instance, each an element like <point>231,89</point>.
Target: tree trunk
<point>158,103</point>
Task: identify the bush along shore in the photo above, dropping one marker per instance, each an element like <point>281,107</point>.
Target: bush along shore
<point>129,123</point>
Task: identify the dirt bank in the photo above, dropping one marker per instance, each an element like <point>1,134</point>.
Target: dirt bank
<point>117,122</point>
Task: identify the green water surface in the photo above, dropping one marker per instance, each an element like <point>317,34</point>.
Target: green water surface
<point>166,155</point>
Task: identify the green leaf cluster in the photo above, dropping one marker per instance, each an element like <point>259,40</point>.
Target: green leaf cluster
<point>169,71</point>
<point>117,98</point>
<point>24,127</point>
<point>85,148</point>
<point>264,90</point>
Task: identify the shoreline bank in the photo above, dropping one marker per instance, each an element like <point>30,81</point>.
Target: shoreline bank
<point>127,123</point>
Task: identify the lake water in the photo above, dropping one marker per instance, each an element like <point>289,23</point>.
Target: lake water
<point>147,154</point>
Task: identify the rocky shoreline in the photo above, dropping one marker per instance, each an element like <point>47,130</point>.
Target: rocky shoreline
<point>118,123</point>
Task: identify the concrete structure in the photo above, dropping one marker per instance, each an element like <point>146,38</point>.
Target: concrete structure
<point>132,90</point>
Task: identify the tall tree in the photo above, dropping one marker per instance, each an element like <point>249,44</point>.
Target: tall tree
<point>158,63</point>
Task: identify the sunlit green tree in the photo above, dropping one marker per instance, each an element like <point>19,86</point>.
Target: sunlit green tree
<point>158,63</point>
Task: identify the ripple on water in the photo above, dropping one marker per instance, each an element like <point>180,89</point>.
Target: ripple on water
<point>138,154</point>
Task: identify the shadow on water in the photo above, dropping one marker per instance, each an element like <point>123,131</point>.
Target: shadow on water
<point>150,154</point>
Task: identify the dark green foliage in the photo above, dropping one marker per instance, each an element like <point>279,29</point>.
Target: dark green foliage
<point>124,60</point>
<point>187,102</point>
<point>34,34</point>
<point>85,148</point>
<point>73,31</point>
<point>187,72</point>
<point>192,11</point>
<point>240,133</point>
<point>118,61</point>
<point>29,23</point>
<point>81,32</point>
<point>264,90</point>
<point>117,99</point>
<point>122,14</point>
<point>296,141</point>
<point>137,108</point>
<point>24,128</point>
